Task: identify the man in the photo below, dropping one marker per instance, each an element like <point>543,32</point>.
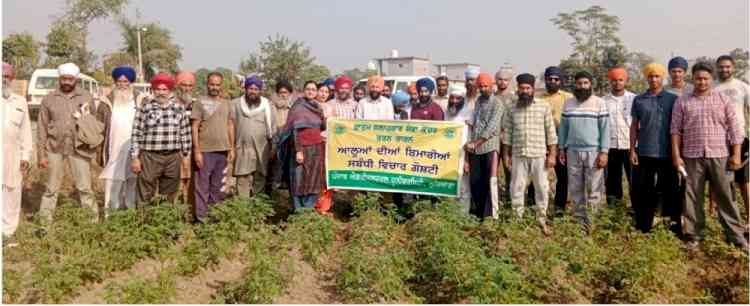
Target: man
<point>161,142</point>
<point>458,112</point>
<point>17,149</point>
<point>344,106</point>
<point>678,67</point>
<point>703,124</point>
<point>117,111</point>
<point>619,104</point>
<point>400,102</point>
<point>584,140</point>
<point>413,96</point>
<point>483,149</point>
<point>442,92</point>
<point>505,96</point>
<point>386,91</point>
<point>425,108</point>
<point>359,93</point>
<point>650,153</point>
<point>556,97</point>
<point>375,106</point>
<point>470,80</point>
<point>530,142</point>
<point>254,127</point>
<point>58,139</point>
<point>738,93</point>
<point>213,136</point>
<point>184,95</point>
<point>280,106</point>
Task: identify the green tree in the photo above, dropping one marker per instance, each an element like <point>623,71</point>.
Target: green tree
<point>159,52</point>
<point>281,58</point>
<point>110,62</point>
<point>596,44</point>
<point>65,43</point>
<point>21,51</point>
<point>634,63</point>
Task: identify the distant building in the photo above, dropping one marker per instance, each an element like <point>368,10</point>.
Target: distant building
<point>402,66</point>
<point>455,71</point>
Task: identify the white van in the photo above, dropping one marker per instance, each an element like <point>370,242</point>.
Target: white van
<point>44,81</point>
<point>398,82</point>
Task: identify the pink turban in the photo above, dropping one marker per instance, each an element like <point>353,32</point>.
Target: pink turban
<point>162,79</point>
<point>343,80</point>
<point>8,67</point>
<point>184,76</point>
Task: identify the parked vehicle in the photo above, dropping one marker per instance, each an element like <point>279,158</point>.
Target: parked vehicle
<point>44,81</point>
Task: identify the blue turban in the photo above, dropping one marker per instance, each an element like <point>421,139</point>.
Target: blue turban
<point>678,62</point>
<point>128,72</point>
<point>253,80</point>
<point>471,73</point>
<point>329,82</point>
<point>552,71</point>
<point>400,98</point>
<point>425,82</point>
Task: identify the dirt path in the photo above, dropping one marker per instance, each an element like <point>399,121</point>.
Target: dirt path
<point>201,288</point>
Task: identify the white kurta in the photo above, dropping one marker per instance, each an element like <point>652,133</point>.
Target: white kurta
<point>118,165</point>
<point>463,116</point>
<point>17,146</point>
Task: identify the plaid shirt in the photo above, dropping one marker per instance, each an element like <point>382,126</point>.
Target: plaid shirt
<point>344,109</point>
<point>160,129</point>
<point>485,123</point>
<point>529,129</point>
<point>707,125</point>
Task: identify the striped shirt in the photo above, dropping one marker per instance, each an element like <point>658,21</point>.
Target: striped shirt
<point>620,119</point>
<point>485,123</point>
<point>584,126</point>
<point>344,109</point>
<point>157,128</point>
<point>529,129</point>
<point>707,125</point>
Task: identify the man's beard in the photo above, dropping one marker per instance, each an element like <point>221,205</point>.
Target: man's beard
<point>185,97</point>
<point>724,76</point>
<point>524,99</point>
<point>252,99</point>
<point>161,98</point>
<point>66,88</point>
<point>552,87</point>
<point>6,90</point>
<point>582,94</point>
<point>122,95</point>
<point>424,100</point>
<point>454,108</point>
<point>214,93</point>
<point>374,95</point>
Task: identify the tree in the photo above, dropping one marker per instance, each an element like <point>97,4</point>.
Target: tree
<point>634,63</point>
<point>280,58</point>
<point>21,51</point>
<point>596,44</point>
<point>356,74</point>
<point>110,61</point>
<point>65,43</point>
<point>740,57</point>
<point>159,52</point>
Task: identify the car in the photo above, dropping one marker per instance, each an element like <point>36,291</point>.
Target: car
<point>44,81</point>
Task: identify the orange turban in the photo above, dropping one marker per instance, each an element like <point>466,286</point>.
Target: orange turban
<point>413,88</point>
<point>484,79</point>
<point>654,68</point>
<point>184,76</point>
<point>376,81</point>
<point>617,73</point>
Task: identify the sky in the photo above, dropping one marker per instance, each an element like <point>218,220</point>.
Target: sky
<point>347,34</point>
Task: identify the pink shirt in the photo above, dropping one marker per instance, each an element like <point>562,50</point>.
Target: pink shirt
<point>707,124</point>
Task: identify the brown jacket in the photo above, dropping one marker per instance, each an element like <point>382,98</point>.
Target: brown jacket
<point>56,128</point>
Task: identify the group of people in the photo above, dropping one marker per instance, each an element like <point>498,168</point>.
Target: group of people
<point>668,141</point>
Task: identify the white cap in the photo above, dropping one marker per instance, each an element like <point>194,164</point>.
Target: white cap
<point>455,90</point>
<point>68,69</point>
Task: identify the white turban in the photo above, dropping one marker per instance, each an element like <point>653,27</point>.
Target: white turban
<point>504,73</point>
<point>455,90</point>
<point>68,69</point>
<point>471,73</point>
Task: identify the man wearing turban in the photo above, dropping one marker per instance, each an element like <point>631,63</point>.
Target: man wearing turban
<point>650,152</point>
<point>343,105</point>
<point>425,108</point>
<point>400,102</point>
<point>506,97</point>
<point>529,148</point>
<point>57,136</point>
<point>678,67</point>
<point>374,106</point>
<point>619,104</point>
<point>556,97</point>
<point>185,83</point>
<point>161,143</point>
<point>17,148</point>
<point>470,78</point>
<point>458,112</point>
<point>254,127</point>
<point>483,150</point>
<point>117,111</point>
<point>584,138</point>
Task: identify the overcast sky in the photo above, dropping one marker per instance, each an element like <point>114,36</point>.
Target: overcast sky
<point>347,34</point>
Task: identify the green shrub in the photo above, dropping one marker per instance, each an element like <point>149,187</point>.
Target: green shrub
<point>312,234</point>
<point>138,290</point>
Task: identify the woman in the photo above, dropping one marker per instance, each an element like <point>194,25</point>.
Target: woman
<point>325,199</point>
<point>301,149</point>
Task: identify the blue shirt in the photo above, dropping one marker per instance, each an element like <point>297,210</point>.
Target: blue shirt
<point>654,113</point>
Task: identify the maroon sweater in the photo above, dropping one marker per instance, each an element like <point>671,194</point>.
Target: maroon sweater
<point>431,111</point>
